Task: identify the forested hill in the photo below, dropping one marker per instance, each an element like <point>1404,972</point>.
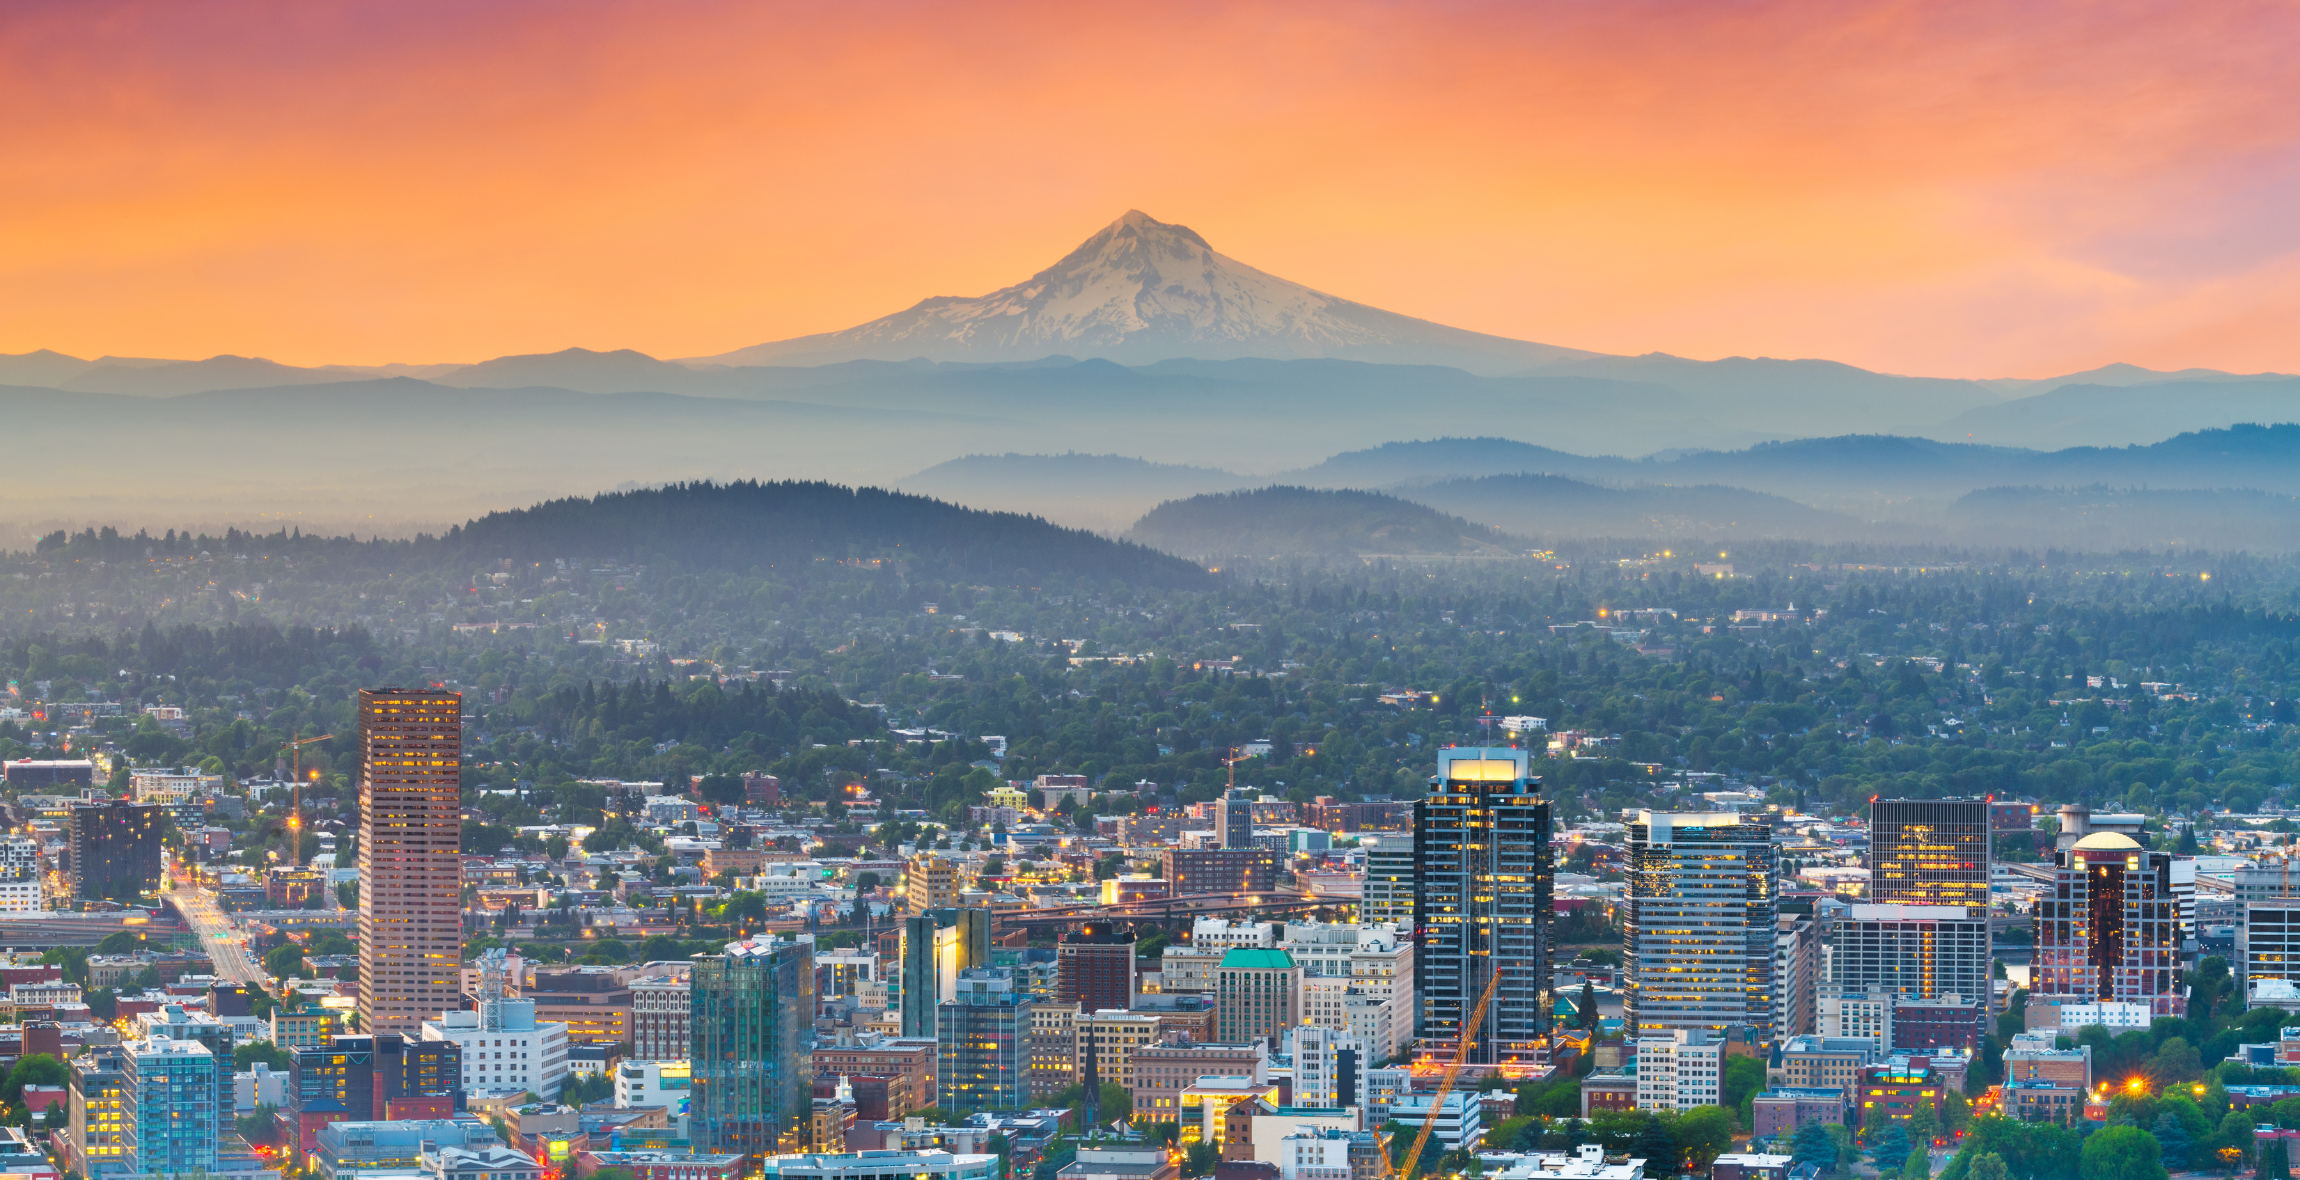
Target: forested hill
<point>739,527</point>
<point>749,525</point>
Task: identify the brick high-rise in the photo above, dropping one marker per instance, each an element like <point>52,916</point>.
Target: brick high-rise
<point>1095,969</point>
<point>410,857</point>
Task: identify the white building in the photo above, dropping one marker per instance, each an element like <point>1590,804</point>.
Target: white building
<point>19,859</point>
<point>1587,1162</point>
<point>1389,888</point>
<point>1222,934</point>
<point>1679,1071</point>
<point>1313,1154</point>
<point>1460,1119</point>
<point>1323,1059</point>
<point>1865,1013</point>
<point>505,1049</point>
<point>875,1165</point>
<point>494,1162</point>
<point>20,897</point>
<point>172,785</point>
<point>655,1083</point>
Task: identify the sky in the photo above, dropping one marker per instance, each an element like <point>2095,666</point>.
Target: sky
<point>1950,189</point>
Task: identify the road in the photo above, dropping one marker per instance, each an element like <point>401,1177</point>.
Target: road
<point>217,934</point>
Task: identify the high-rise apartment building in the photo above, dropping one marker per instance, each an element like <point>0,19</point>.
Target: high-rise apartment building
<point>1330,1069</point>
<point>176,1024</point>
<point>1698,935</point>
<point>752,1047</point>
<point>2109,932</point>
<point>170,1115</point>
<point>982,1044</point>
<point>1095,968</point>
<point>115,849</point>
<point>1931,852</point>
<point>1921,952</point>
<point>1389,888</point>
<point>1482,896</point>
<point>410,856</point>
<point>97,1115</point>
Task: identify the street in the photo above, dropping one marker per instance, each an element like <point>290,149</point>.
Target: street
<point>216,931</point>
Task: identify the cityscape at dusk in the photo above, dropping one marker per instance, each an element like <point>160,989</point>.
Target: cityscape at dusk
<point>1218,591</point>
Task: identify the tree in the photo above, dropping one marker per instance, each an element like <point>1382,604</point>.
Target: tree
<point>2275,1160</point>
<point>1919,1165</point>
<point>1955,1112</point>
<point>1986,1166</point>
<point>284,961</point>
<point>249,1052</point>
<point>39,1069</point>
<point>1702,1133</point>
<point>1889,1144</point>
<point>1201,1159</point>
<point>1743,1080</point>
<point>2122,1153</point>
<point>1588,1004</point>
<point>1813,1146</point>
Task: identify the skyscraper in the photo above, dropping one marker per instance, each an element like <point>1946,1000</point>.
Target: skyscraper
<point>1921,952</point>
<point>2110,930</point>
<point>1698,938</point>
<point>410,857</point>
<point>1930,852</point>
<point>935,948</point>
<point>1482,900</point>
<point>752,1048</point>
<point>170,1116</point>
<point>982,1044</point>
<point>115,849</point>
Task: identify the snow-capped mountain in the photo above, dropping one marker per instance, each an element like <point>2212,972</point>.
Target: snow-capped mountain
<point>1141,291</point>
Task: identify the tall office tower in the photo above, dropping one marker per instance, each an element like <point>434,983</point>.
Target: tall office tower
<point>1389,890</point>
<point>1094,968</point>
<point>1698,937</point>
<point>1930,852</point>
<point>1234,818</point>
<point>115,849</point>
<point>1482,896</point>
<point>1330,1069</point>
<point>935,948</point>
<point>410,857</point>
<point>171,1117</point>
<point>753,1041</point>
<point>982,1044</point>
<point>1919,952</point>
<point>2110,930</point>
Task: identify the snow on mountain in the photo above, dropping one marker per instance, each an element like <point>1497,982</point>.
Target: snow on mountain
<point>1142,290</point>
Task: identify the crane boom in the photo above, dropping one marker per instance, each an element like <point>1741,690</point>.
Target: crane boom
<point>1452,1070</point>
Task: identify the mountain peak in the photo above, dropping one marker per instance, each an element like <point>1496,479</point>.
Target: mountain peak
<point>1140,290</point>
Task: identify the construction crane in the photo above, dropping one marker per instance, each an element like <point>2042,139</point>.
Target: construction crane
<point>1452,1070</point>
<point>295,818</point>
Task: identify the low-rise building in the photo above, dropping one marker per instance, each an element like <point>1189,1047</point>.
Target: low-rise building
<point>1459,1120</point>
<point>1783,1109</point>
<point>662,1165</point>
<point>876,1165</point>
<point>488,1162</point>
<point>1897,1087</point>
<point>1680,1070</point>
<point>1833,1062</point>
<point>349,1150</point>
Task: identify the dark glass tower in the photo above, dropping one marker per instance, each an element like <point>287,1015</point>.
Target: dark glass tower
<point>751,1044</point>
<point>1482,904</point>
<point>115,849</point>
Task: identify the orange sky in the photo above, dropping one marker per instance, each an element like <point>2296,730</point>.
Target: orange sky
<point>1974,190</point>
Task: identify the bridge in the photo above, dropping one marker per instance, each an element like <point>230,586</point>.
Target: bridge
<point>1172,914</point>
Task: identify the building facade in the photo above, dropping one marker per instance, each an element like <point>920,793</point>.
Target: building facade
<point>1679,1069</point>
<point>1921,952</point>
<point>2110,931</point>
<point>171,1116</point>
<point>503,1048</point>
<point>1389,890</point>
<point>1930,852</point>
<point>1698,931</point>
<point>659,1018</point>
<point>410,857</point>
<point>982,1044</point>
<point>115,849</point>
<point>1221,870</point>
<point>1257,995</point>
<point>752,1048</point>
<point>1482,893</point>
<point>1095,968</point>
